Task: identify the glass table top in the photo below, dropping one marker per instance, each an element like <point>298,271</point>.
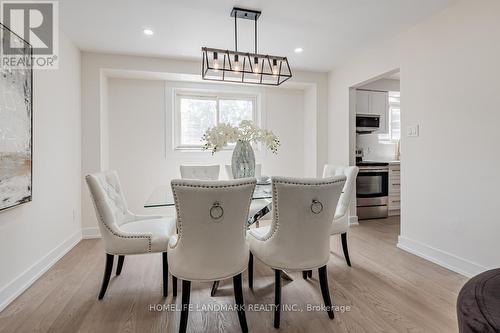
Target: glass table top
<point>162,195</point>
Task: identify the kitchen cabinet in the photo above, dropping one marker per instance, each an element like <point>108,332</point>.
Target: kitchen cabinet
<point>363,101</point>
<point>374,102</point>
<point>394,189</point>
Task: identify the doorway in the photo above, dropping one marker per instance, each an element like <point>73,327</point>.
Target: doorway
<point>375,107</point>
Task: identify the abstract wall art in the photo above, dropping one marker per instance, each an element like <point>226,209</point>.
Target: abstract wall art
<point>15,121</point>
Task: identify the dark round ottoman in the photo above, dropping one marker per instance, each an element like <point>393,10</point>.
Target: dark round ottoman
<point>478,304</point>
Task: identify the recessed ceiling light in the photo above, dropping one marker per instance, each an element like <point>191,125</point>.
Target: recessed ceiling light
<point>148,31</point>
<point>298,50</point>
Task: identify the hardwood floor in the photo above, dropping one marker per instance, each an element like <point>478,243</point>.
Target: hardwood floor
<point>387,290</point>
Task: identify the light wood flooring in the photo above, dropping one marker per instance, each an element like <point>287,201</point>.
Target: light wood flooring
<point>387,290</point>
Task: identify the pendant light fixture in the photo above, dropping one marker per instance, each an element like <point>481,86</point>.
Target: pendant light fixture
<point>244,67</point>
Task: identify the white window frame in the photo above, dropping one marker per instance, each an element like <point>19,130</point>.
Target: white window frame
<point>215,95</point>
<point>387,137</point>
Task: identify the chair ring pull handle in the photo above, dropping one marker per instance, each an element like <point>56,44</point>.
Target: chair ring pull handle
<point>216,211</point>
<point>316,207</point>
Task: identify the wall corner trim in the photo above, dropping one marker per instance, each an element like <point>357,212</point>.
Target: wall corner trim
<point>17,286</point>
<point>439,257</point>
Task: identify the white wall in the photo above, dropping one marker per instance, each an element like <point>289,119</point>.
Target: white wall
<point>449,81</point>
<point>97,68</point>
<point>140,134</point>
<point>382,84</point>
<point>36,234</point>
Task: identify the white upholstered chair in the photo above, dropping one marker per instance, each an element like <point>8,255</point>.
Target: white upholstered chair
<point>340,224</point>
<point>210,245</point>
<point>123,232</point>
<point>201,172</point>
<point>298,238</point>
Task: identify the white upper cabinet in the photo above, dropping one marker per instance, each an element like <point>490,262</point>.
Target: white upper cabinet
<point>374,102</point>
<point>363,102</point>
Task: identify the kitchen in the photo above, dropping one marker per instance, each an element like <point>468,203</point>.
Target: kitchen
<point>378,134</point>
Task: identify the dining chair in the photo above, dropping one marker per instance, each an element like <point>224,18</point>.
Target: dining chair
<point>340,224</point>
<point>210,244</point>
<point>123,232</point>
<point>298,237</point>
<point>201,172</point>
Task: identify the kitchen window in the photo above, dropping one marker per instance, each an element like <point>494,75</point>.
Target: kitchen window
<point>394,119</point>
<point>195,112</point>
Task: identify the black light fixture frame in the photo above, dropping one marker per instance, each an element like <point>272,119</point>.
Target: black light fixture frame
<point>283,73</point>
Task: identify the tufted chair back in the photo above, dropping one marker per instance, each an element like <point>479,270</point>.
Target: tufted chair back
<point>211,222</point>
<point>201,172</point>
<point>229,171</point>
<point>112,213</point>
<point>108,198</point>
<point>303,212</point>
<point>351,172</point>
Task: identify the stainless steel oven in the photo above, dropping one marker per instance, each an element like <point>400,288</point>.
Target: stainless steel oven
<point>372,190</point>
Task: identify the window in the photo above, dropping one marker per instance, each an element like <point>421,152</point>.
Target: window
<point>195,112</point>
<point>394,121</point>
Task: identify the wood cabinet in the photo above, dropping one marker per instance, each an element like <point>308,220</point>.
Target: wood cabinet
<point>374,102</point>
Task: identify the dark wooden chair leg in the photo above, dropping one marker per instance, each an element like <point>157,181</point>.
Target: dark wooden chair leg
<point>174,286</point>
<point>344,247</point>
<point>120,265</point>
<point>238,296</point>
<point>165,274</point>
<point>277,297</point>
<point>304,274</point>
<point>310,273</point>
<point>107,274</point>
<point>186,291</point>
<point>323,281</point>
<point>250,271</point>
<point>215,285</point>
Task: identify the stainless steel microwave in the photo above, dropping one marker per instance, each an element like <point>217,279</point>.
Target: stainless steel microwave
<point>367,123</point>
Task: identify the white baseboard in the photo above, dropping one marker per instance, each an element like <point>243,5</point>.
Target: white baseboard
<point>442,258</point>
<point>26,279</point>
<point>353,220</point>
<point>91,233</point>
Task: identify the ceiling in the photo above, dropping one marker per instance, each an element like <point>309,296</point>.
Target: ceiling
<point>329,31</point>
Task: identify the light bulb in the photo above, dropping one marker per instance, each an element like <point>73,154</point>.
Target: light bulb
<point>236,65</point>
<point>256,65</point>
<point>275,68</point>
<point>148,31</point>
<point>216,63</point>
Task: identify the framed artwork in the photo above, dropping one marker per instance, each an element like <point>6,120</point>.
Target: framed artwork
<point>16,120</point>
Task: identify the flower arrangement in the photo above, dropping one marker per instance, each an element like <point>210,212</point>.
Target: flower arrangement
<point>221,135</point>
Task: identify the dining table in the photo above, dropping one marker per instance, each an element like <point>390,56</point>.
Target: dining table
<point>162,196</point>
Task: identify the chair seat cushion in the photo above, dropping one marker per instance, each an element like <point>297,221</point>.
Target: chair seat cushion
<point>261,232</point>
<point>160,229</point>
<point>339,225</point>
